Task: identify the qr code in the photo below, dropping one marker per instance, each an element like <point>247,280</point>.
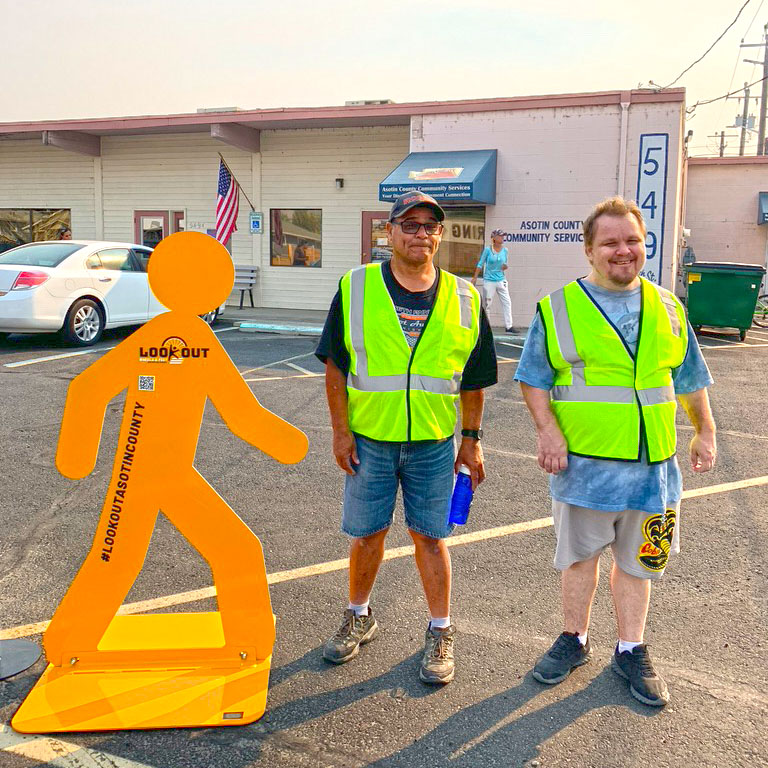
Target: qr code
<point>146,383</point>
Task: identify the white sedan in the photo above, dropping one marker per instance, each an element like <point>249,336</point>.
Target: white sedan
<point>76,287</point>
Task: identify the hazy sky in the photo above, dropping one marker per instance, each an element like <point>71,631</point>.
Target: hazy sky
<point>98,58</point>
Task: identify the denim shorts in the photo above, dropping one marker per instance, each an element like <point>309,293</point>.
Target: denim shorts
<point>423,470</point>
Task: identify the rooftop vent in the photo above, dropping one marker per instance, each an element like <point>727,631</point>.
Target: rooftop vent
<point>367,102</point>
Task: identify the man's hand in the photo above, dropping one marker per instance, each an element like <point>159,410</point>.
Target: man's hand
<point>471,454</point>
<point>345,451</point>
<point>704,444</point>
<point>552,449</point>
<point>703,451</point>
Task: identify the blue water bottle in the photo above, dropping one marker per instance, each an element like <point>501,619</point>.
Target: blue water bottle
<point>462,497</point>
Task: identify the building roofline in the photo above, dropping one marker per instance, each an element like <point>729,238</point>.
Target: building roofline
<point>742,160</point>
<point>339,116</point>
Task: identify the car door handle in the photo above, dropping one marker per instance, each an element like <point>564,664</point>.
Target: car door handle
<point>105,279</point>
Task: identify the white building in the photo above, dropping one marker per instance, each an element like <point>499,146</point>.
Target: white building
<point>321,178</point>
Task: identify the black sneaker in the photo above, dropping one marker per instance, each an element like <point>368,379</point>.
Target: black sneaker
<point>645,683</point>
<point>566,654</point>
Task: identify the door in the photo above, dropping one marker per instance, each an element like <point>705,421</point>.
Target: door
<point>149,227</point>
<point>119,278</point>
<point>374,245</point>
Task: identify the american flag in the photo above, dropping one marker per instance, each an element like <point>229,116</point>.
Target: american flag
<point>227,205</point>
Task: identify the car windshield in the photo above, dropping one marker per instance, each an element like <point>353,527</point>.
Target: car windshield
<point>39,254</point>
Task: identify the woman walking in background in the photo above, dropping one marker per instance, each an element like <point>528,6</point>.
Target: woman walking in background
<point>493,262</point>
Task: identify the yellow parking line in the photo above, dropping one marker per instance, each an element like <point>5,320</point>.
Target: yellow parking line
<point>25,630</point>
<point>52,751</point>
<point>731,432</point>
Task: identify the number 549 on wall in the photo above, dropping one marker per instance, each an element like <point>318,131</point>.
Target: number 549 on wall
<point>652,198</point>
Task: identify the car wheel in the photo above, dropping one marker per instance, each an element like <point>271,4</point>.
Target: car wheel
<point>84,324</point>
<point>211,317</point>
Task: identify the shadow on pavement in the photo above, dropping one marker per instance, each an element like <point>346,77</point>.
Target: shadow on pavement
<point>488,733</point>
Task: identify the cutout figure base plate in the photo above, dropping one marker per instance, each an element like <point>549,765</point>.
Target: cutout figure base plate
<point>144,696</point>
<point>16,656</point>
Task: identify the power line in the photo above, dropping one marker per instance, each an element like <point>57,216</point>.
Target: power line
<point>747,2</point>
<point>738,55</point>
<point>690,110</point>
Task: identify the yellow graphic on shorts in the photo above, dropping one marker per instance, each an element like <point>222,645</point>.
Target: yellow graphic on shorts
<point>658,531</point>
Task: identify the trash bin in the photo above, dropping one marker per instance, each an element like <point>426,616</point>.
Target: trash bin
<point>723,294</point>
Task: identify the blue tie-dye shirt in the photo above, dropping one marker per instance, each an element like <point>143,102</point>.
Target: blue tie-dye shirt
<point>615,485</point>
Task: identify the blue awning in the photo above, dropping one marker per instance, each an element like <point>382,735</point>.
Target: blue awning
<point>467,176</point>
<point>762,208</point>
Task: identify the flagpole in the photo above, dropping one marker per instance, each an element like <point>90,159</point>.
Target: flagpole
<point>239,185</point>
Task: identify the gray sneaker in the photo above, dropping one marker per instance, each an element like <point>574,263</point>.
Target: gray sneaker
<point>566,654</point>
<point>437,664</point>
<point>645,683</point>
<point>354,632</point>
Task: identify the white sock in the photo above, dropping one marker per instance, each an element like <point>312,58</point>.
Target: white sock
<point>360,610</point>
<point>626,645</point>
<point>583,639</point>
<point>440,623</point>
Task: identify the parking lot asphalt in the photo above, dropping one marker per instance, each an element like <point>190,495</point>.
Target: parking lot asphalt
<point>707,629</point>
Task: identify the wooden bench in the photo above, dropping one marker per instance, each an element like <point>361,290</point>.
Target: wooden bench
<point>245,278</point>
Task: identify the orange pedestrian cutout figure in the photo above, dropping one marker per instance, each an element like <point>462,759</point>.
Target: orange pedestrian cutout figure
<point>175,669</point>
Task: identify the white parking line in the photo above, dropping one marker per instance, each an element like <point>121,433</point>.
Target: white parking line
<point>48,358</point>
<point>276,362</point>
<point>510,344</point>
<point>303,370</point>
<point>707,347</point>
<point>25,630</point>
<point>224,330</point>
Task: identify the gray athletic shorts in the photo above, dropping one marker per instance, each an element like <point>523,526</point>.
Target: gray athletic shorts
<point>641,543</point>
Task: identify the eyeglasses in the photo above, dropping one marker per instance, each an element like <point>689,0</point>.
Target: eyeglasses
<point>411,227</point>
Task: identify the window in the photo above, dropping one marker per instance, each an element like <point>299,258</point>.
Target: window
<point>142,256</point>
<point>463,240</point>
<point>296,236</point>
<point>40,255</point>
<point>118,259</point>
<point>28,225</point>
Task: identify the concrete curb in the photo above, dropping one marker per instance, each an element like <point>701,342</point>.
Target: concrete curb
<point>316,330</point>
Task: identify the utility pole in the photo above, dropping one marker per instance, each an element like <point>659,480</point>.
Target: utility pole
<point>764,95</point>
<point>744,123</point>
<point>744,116</point>
<point>722,136</point>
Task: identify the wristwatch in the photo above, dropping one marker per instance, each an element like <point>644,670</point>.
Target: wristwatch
<point>475,434</point>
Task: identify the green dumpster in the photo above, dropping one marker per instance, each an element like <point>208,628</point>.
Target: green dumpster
<point>723,294</point>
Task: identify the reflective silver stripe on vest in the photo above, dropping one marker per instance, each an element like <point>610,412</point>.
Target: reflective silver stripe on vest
<point>563,329</point>
<point>582,393</point>
<point>464,292</point>
<point>356,301</point>
<point>656,395</point>
<point>399,382</point>
<point>671,307</point>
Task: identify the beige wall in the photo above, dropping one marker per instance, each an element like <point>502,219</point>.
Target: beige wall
<point>298,170</point>
<point>34,176</point>
<point>554,164</point>
<point>721,209</point>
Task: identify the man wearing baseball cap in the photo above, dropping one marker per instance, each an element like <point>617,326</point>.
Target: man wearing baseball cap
<point>403,342</point>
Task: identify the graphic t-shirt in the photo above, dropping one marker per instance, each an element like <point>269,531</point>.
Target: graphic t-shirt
<point>412,307</point>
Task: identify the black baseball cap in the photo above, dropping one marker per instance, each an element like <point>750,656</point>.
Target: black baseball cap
<point>412,199</point>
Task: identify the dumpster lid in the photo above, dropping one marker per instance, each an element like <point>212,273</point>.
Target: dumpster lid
<point>726,266</point>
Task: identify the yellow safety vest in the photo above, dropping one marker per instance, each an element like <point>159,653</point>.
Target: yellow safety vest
<point>395,393</point>
<point>607,401</point>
